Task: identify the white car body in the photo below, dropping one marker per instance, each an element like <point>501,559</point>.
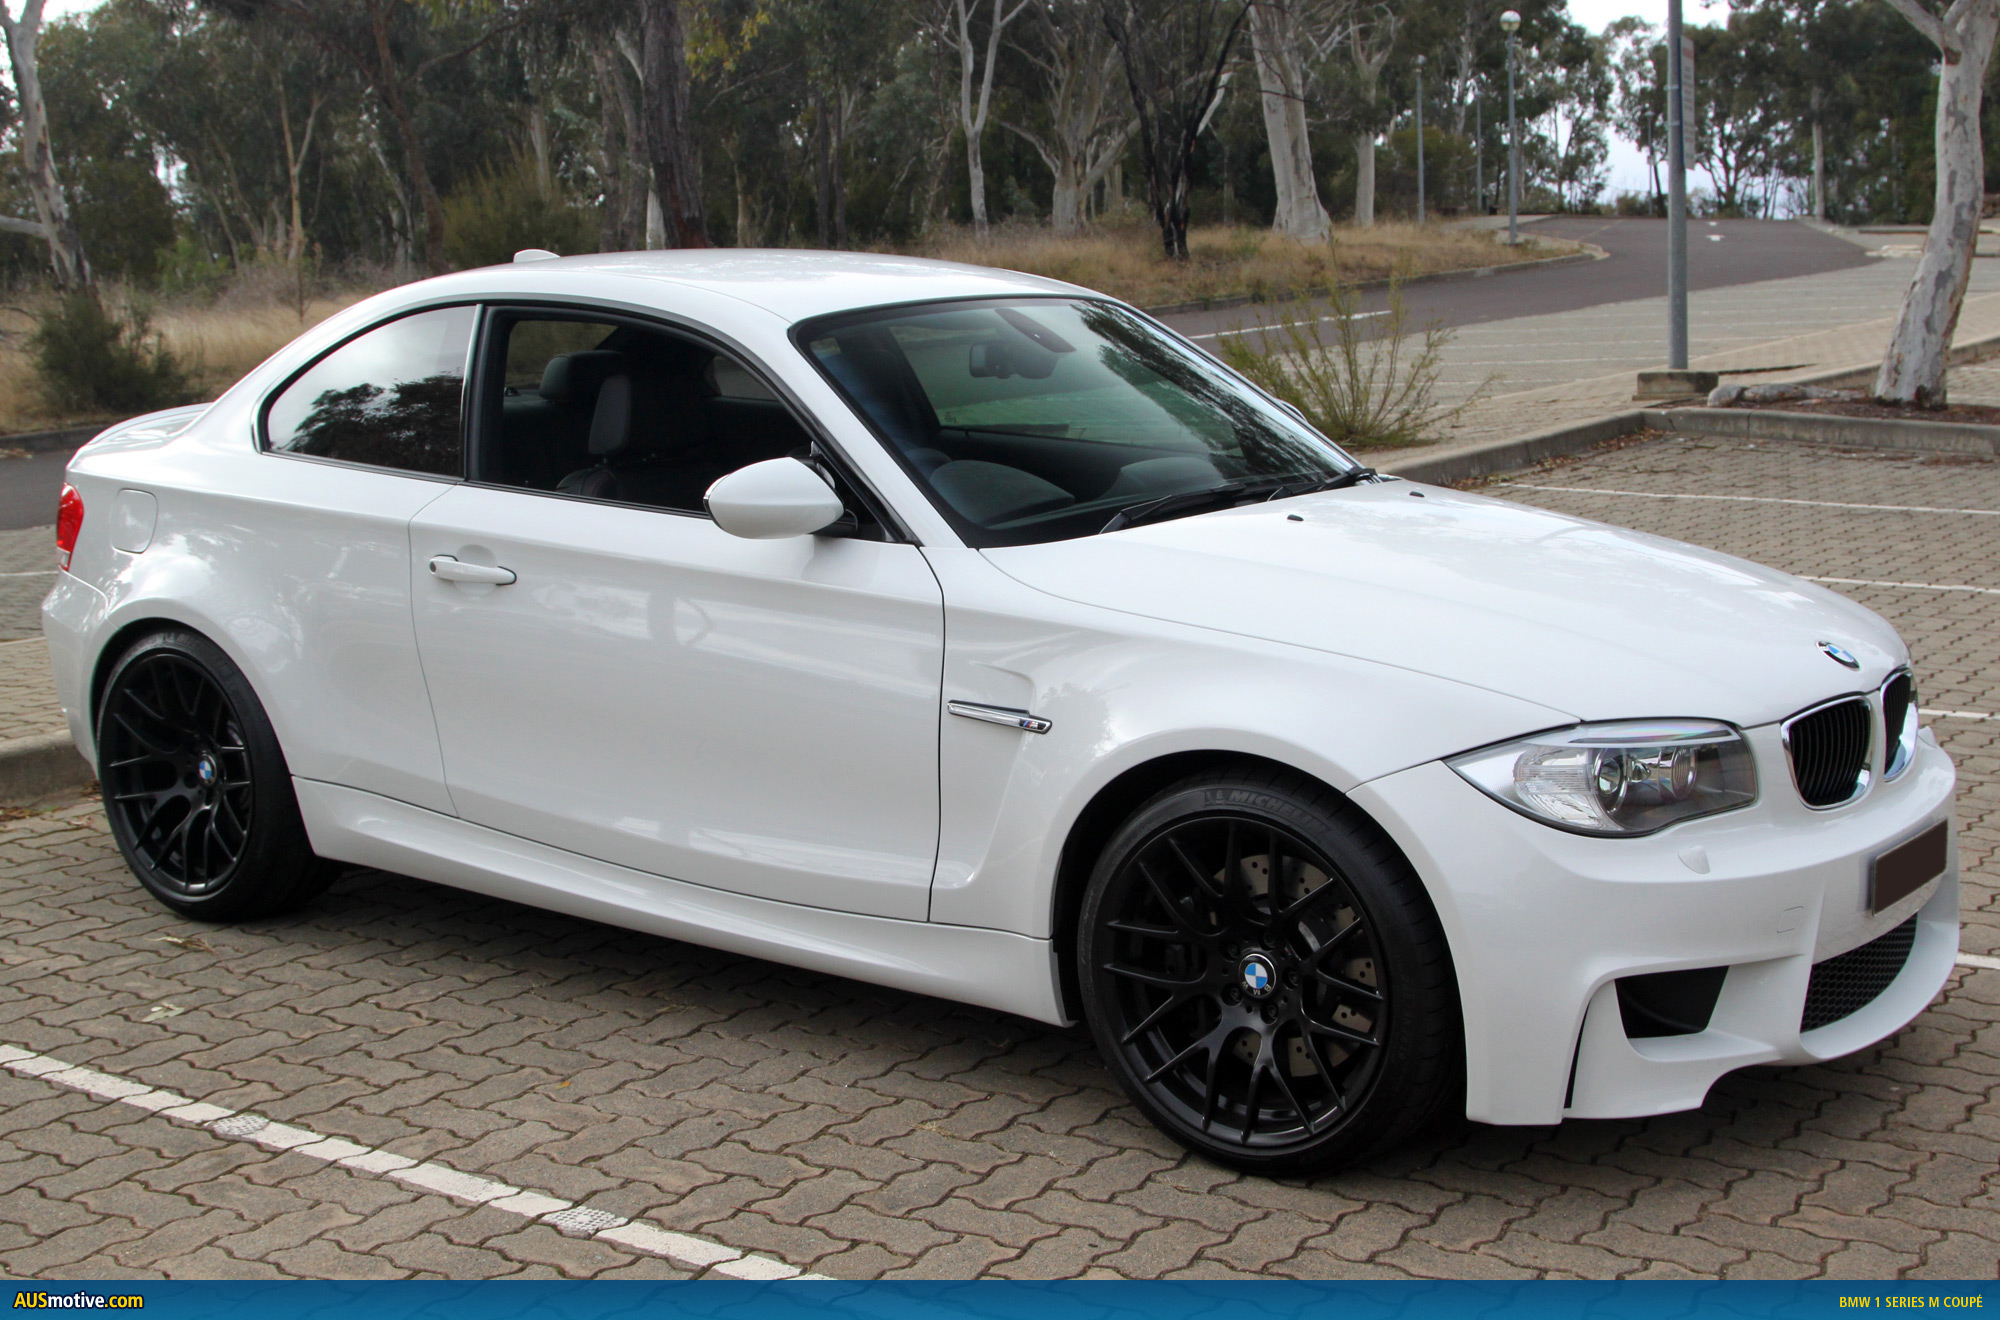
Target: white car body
<point>745,743</point>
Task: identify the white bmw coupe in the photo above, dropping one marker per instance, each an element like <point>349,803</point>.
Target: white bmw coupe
<point>973,634</point>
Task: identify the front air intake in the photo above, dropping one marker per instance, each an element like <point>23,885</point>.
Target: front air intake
<point>1849,983</point>
<point>1829,750</point>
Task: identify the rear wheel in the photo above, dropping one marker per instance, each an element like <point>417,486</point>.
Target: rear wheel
<point>1266,976</point>
<point>195,787</point>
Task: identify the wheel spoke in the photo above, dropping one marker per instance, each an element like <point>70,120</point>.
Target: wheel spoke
<point>1346,986</point>
<point>1145,977</point>
<point>152,745</point>
<point>1152,1019</point>
<point>1325,1066</point>
<point>1144,931</point>
<point>1250,1095</point>
<point>1291,1096</point>
<point>1338,1033</point>
<point>1167,901</point>
<point>1310,963</point>
<point>1196,874</point>
<point>1177,1060</point>
<point>1208,1096</point>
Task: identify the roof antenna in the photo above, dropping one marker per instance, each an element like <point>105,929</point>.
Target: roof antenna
<point>535,254</point>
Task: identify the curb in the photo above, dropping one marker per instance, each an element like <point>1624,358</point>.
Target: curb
<point>32,768</point>
<point>1223,304</point>
<point>1487,457</point>
<point>1833,429</point>
<point>72,437</point>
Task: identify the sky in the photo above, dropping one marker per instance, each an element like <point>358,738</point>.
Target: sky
<point>1628,164</point>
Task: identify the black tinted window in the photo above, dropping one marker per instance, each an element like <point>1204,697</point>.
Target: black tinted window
<point>393,397</point>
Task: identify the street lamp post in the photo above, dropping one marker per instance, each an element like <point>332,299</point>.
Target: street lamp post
<point>1420,139</point>
<point>1677,289</point>
<point>1511,22</point>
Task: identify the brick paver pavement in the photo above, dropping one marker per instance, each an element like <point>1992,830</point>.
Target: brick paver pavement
<point>27,569</point>
<point>861,1132</point>
<point>28,702</point>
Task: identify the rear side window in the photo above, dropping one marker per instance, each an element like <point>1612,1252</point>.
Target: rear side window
<point>393,397</point>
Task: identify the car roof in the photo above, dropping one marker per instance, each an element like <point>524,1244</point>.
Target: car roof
<point>789,283</point>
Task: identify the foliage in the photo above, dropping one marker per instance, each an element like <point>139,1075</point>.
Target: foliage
<point>503,211</point>
<point>91,360</point>
<point>1368,383</point>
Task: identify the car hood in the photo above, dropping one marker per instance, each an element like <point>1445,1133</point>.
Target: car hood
<point>1598,621</point>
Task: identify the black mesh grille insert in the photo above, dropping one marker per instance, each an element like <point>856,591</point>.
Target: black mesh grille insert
<point>1849,983</point>
<point>1830,752</point>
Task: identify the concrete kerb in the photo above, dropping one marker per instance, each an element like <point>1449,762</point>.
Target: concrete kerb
<point>37,767</point>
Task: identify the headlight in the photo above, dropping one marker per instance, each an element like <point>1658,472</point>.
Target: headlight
<point>1633,777</point>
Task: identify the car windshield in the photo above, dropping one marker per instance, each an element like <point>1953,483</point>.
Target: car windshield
<point>1045,419</point>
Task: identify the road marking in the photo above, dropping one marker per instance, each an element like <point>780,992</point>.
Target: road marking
<point>1286,325</point>
<point>1955,714</point>
<point>1751,499</point>
<point>682,1249</point>
<point>1908,586</point>
<point>39,572</point>
<point>1979,960</point>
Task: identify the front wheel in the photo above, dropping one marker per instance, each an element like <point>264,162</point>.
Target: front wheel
<point>1265,975</point>
<point>195,786</point>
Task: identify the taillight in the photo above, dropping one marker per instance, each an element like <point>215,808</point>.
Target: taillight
<point>69,522</point>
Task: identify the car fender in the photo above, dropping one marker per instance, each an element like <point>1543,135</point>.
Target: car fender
<point>1121,692</point>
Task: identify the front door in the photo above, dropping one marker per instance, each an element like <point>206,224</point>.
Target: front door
<point>643,688</point>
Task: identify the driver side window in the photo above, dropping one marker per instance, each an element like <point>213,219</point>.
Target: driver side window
<point>630,414</point>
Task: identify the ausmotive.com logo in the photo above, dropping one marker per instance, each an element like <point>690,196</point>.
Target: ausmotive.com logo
<point>40,1301</point>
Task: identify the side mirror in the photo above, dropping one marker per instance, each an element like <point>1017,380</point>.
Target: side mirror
<point>776,498</point>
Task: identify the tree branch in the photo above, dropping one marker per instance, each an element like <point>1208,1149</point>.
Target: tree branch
<point>1924,21</point>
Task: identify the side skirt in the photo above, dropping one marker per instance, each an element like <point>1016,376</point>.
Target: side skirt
<point>989,968</point>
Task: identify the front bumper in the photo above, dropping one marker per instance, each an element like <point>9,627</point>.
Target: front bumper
<point>1543,923</point>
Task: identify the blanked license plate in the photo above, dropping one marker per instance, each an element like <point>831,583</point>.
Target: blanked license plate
<point>1908,867</point>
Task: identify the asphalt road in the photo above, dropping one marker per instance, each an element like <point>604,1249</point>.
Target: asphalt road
<point>1720,253</point>
<point>29,487</point>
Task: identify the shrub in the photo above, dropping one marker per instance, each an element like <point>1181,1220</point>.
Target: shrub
<point>92,360</point>
<point>503,211</point>
<point>1370,384</point>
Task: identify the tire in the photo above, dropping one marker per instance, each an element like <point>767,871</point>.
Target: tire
<point>1284,1037</point>
<point>196,788</point>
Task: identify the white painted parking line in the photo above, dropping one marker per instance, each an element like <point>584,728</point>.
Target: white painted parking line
<point>1750,499</point>
<point>1286,325</point>
<point>1955,714</point>
<point>37,572</point>
<point>1979,960</point>
<point>1906,586</point>
<point>682,1249</point>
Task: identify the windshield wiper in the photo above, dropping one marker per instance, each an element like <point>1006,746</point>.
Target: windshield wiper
<point>1179,502</point>
<point>1338,481</point>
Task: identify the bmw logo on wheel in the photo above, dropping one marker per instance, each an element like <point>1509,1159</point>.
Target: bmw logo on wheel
<point>1840,654</point>
<point>1258,976</point>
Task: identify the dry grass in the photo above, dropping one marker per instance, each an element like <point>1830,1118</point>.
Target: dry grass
<point>257,314</point>
<point>1234,261</point>
<point>218,343</point>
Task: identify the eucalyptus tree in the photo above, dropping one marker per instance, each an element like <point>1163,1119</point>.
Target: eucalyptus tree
<point>53,222</point>
<point>1176,55</point>
<point>973,69</point>
<point>1964,34</point>
<point>393,46</point>
<point>1289,40</point>
<point>1084,123</point>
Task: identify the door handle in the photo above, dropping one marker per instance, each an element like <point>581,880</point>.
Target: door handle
<point>454,570</point>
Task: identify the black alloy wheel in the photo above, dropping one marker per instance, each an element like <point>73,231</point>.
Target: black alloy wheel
<point>195,787</point>
<point>1265,975</point>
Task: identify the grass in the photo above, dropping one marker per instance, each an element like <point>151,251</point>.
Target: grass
<point>1225,262</point>
<point>259,311</point>
<point>218,343</point>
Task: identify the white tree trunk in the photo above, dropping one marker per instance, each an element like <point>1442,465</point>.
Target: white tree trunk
<point>66,256</point>
<point>1364,180</point>
<point>1066,208</point>
<point>1913,367</point>
<point>1274,44</point>
<point>971,114</point>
